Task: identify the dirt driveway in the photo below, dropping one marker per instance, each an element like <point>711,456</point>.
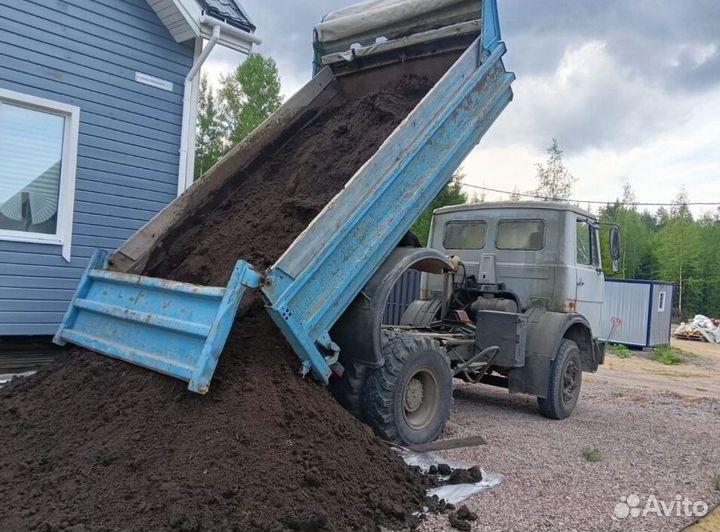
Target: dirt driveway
<point>657,429</point>
<point>699,377</point>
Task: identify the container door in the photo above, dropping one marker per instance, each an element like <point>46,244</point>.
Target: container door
<point>590,279</point>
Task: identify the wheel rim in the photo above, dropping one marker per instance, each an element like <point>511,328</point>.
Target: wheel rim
<point>420,398</point>
<point>570,382</point>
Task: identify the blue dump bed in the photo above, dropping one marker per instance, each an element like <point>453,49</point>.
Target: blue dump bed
<point>180,329</point>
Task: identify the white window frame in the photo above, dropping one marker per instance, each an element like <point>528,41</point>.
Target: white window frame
<point>68,169</point>
<point>662,296</point>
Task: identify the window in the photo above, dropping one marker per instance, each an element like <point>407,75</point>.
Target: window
<point>661,301</point>
<point>528,235</point>
<point>38,150</point>
<point>586,244</point>
<point>465,235</point>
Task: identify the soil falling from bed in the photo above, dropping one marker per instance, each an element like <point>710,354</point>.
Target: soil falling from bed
<point>259,219</point>
<point>96,444</point>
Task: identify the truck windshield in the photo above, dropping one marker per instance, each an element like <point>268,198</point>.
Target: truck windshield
<point>527,235</point>
<point>465,235</point>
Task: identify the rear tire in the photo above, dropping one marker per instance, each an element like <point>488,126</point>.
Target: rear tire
<point>408,399</point>
<point>564,382</point>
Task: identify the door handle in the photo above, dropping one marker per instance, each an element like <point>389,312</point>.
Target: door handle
<point>581,283</point>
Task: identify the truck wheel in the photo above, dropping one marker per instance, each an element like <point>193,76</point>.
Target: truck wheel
<point>408,399</point>
<point>348,389</point>
<point>564,383</point>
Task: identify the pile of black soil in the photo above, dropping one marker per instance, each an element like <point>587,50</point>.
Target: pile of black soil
<point>97,444</point>
<point>274,201</point>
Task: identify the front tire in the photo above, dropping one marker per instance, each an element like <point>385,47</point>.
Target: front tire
<point>564,382</point>
<point>408,399</point>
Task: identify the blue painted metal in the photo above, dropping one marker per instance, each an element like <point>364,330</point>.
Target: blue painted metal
<point>179,329</point>
<point>175,328</point>
<point>312,284</point>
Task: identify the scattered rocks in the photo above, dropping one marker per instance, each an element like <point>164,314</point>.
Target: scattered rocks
<point>465,476</point>
<point>444,469</point>
<point>460,520</point>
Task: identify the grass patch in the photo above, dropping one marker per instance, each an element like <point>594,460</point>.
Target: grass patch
<point>716,481</point>
<point>592,455</point>
<point>620,351</point>
<point>667,355</point>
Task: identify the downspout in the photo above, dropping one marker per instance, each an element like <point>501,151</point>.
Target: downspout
<point>186,136</point>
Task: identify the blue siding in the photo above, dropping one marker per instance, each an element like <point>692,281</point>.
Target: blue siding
<point>86,53</point>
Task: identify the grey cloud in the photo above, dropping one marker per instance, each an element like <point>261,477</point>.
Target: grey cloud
<point>648,86</point>
<point>645,35</point>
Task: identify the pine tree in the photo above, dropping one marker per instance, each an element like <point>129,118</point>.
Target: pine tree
<point>555,182</point>
<point>678,247</point>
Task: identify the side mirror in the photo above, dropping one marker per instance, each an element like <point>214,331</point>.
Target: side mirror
<point>615,248</point>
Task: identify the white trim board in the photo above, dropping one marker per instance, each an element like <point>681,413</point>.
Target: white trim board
<point>68,169</point>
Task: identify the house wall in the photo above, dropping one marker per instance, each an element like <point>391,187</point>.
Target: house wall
<point>86,53</point>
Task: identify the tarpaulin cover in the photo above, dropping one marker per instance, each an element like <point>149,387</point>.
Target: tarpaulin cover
<point>390,17</point>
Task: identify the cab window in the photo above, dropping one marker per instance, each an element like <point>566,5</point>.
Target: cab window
<point>525,235</point>
<point>465,235</point>
<point>586,244</point>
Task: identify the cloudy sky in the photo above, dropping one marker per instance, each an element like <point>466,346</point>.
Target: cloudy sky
<point>630,88</point>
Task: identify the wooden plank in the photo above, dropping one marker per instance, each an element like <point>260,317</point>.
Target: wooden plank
<point>34,328</point>
<point>102,172</point>
<point>55,34</point>
<point>87,67</point>
<point>114,29</point>
<point>110,95</point>
<point>23,282</point>
<point>443,445</point>
<point>126,195</point>
<point>87,100</point>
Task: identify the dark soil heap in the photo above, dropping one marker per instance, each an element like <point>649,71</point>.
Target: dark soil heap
<point>276,200</point>
<point>97,444</point>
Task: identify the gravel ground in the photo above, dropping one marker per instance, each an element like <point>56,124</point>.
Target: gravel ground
<point>652,443</point>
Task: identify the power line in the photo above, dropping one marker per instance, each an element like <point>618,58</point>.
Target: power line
<point>596,202</point>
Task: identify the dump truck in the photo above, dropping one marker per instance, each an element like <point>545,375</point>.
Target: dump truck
<point>312,292</point>
<point>517,305</point>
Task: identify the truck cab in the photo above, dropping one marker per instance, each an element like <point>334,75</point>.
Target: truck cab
<point>546,254</point>
<point>511,295</point>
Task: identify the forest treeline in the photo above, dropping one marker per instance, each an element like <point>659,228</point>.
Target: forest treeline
<point>669,244</point>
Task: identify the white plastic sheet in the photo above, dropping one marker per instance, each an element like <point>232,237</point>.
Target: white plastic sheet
<point>7,377</point>
<point>457,493</point>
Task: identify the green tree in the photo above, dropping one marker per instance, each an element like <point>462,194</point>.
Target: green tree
<point>452,194</point>
<point>637,259</point>
<point>555,182</point>
<point>209,144</point>
<point>249,95</point>
<point>678,248</point>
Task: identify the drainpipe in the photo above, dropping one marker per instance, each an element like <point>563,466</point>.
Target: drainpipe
<point>186,136</point>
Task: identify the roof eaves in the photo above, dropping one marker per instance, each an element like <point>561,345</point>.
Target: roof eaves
<point>228,11</point>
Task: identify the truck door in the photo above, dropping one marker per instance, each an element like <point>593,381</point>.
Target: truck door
<point>590,281</point>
